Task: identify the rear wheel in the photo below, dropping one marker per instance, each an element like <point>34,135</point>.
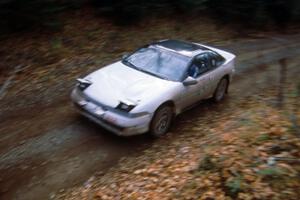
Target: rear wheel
<point>161,121</point>
<point>221,89</point>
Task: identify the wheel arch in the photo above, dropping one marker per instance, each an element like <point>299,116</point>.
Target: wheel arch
<point>226,76</point>
<point>168,103</point>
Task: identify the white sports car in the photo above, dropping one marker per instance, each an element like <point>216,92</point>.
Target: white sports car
<point>146,89</point>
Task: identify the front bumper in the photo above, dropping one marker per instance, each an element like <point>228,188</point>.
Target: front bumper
<point>114,122</point>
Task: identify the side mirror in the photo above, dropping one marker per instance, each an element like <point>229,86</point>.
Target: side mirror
<point>125,56</point>
<point>189,81</point>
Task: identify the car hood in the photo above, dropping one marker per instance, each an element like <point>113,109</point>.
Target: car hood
<point>117,83</point>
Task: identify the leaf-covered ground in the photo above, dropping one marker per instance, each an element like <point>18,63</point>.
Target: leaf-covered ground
<point>251,150</point>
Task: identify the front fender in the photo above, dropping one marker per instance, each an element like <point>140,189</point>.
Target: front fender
<point>153,102</point>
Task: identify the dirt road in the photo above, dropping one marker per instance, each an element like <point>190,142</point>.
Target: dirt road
<point>48,148</point>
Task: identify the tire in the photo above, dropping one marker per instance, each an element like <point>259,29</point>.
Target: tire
<point>161,121</point>
<point>221,90</point>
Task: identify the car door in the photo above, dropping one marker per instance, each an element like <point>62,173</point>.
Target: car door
<point>198,69</point>
<point>215,71</point>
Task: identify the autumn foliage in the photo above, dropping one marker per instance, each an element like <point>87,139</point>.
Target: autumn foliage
<point>249,153</point>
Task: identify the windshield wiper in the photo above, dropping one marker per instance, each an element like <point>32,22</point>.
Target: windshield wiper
<point>126,62</point>
<point>143,70</point>
<point>151,73</point>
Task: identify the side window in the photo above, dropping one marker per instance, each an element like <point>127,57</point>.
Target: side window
<point>199,66</point>
<point>215,59</point>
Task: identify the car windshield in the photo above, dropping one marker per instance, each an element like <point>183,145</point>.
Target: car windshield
<point>158,62</point>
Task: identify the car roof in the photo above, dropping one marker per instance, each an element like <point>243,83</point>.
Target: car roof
<point>182,47</point>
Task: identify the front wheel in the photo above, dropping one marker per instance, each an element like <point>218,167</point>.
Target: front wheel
<point>161,121</point>
<point>221,89</point>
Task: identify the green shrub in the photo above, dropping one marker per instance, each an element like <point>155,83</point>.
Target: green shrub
<point>271,172</point>
<point>234,186</point>
<point>263,137</point>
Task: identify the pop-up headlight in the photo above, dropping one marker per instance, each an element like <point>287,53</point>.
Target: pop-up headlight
<point>83,83</point>
<point>125,107</point>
